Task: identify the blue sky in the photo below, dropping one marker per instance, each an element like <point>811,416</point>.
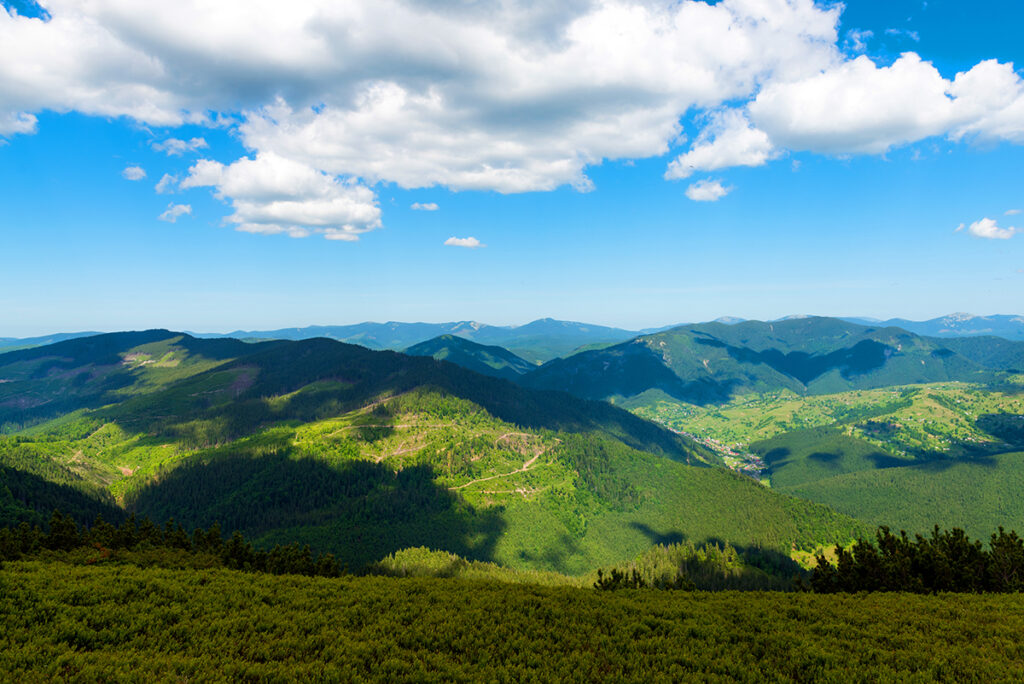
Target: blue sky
<point>843,154</point>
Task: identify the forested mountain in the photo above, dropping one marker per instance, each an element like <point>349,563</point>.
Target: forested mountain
<point>485,359</point>
<point>711,362</point>
<point>363,452</point>
<point>41,383</point>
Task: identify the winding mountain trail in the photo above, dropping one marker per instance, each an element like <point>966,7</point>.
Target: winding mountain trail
<point>527,465</point>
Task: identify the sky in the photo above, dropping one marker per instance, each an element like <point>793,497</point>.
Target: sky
<point>248,164</point>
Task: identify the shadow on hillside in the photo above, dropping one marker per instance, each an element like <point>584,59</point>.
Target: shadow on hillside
<point>772,561</point>
<point>360,511</point>
<point>664,539</point>
<point>555,557</point>
<point>863,357</point>
<point>930,461</point>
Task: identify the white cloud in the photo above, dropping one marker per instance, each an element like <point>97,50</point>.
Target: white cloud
<point>133,173</point>
<point>17,123</point>
<point>424,206</point>
<point>469,242</point>
<point>513,96</point>
<point>987,228</point>
<point>858,107</point>
<point>729,140</point>
<point>271,194</point>
<point>174,211</point>
<point>1011,212</point>
<point>178,147</point>
<point>707,191</point>
<point>166,184</point>
<point>857,40</point>
<point>912,35</point>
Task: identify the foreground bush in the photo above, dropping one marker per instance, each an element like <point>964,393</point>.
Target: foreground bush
<point>124,623</point>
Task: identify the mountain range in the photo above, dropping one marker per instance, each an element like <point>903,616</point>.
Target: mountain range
<point>957,325</point>
<point>544,339</point>
<point>713,362</point>
<point>456,444</point>
<point>363,453</point>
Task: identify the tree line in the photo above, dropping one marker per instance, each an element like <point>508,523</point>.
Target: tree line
<point>947,561</point>
<point>104,541</point>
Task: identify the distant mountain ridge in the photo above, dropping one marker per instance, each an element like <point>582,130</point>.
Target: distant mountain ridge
<point>1010,327</point>
<point>711,362</point>
<point>537,341</point>
<point>545,339</point>
<point>485,359</point>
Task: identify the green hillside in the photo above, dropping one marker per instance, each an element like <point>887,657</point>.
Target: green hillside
<point>42,383</point>
<point>977,493</point>
<point>364,453</point>
<point>714,362</point>
<point>484,359</point>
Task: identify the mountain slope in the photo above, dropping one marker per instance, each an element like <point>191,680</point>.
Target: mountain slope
<point>363,453</point>
<point>977,494</point>
<point>44,382</point>
<point>711,362</point>
<point>485,359</point>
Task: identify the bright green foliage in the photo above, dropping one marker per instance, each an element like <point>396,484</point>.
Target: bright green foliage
<point>953,419</point>
<point>113,623</point>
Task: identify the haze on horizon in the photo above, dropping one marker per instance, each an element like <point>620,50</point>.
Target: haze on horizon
<point>624,163</point>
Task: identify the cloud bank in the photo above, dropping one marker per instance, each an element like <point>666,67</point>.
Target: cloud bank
<point>330,99</point>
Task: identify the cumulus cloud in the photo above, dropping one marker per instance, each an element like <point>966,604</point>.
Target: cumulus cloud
<point>1011,212</point>
<point>166,184</point>
<point>858,107</point>
<point>424,206</point>
<point>729,140</point>
<point>174,211</point>
<point>510,97</point>
<point>178,147</point>
<point>514,96</point>
<point>707,191</point>
<point>987,228</point>
<point>133,173</point>
<point>271,194</point>
<point>468,242</point>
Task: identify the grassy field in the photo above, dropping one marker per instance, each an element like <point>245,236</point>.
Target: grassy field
<point>123,623</point>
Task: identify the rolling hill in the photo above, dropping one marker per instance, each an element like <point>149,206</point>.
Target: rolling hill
<point>712,362</point>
